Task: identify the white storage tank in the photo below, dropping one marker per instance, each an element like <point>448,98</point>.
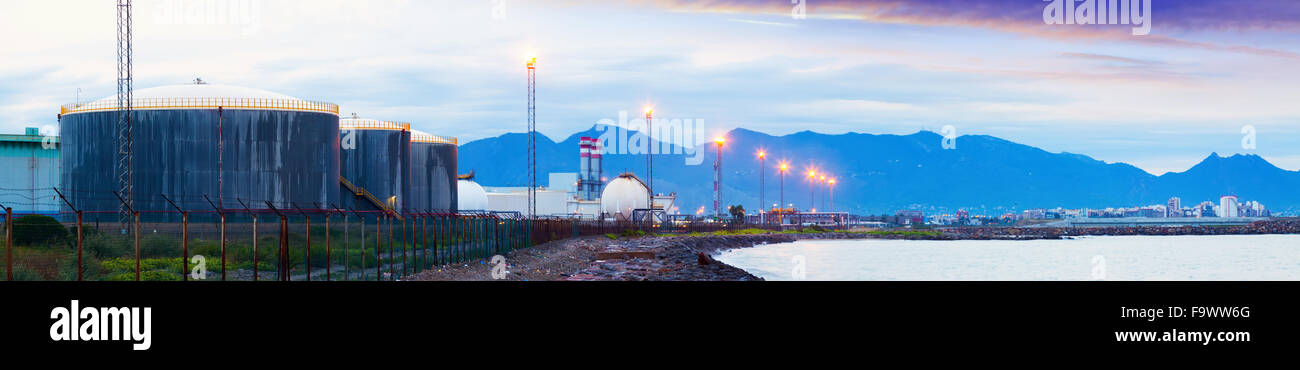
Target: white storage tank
<point>470,196</point>
<point>623,195</point>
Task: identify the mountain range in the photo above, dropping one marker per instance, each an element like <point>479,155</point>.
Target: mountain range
<point>880,174</point>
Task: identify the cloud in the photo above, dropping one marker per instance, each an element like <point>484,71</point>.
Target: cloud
<point>1026,18</point>
<point>1108,58</point>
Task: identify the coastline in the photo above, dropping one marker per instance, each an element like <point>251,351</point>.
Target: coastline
<point>690,257</point>
<point>648,258</point>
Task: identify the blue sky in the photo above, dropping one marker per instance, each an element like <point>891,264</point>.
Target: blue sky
<point>1162,101</point>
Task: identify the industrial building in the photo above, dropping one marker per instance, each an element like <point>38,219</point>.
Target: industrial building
<point>31,165</point>
<point>584,195</point>
<point>194,140</point>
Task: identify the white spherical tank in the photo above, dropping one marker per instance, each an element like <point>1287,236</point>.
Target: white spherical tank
<point>471,196</point>
<point>622,195</point>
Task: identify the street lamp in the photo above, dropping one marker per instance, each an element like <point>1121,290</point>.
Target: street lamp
<point>717,177</point>
<point>812,189</point>
<point>823,181</point>
<point>762,167</point>
<point>649,158</point>
<point>785,167</point>
<point>832,188</point>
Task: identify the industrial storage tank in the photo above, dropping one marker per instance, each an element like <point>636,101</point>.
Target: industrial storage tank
<point>229,143</point>
<point>433,173</point>
<point>471,196</point>
<point>623,195</point>
<point>375,164</point>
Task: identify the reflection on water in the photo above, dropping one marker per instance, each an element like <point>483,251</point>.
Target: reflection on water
<point>1226,257</point>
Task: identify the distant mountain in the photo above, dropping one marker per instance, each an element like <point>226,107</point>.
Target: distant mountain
<point>884,173</point>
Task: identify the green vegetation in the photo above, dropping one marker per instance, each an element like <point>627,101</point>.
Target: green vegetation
<point>40,230</point>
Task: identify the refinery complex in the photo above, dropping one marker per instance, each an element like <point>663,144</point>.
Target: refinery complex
<point>203,145</point>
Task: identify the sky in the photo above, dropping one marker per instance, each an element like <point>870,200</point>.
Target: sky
<point>1162,101</point>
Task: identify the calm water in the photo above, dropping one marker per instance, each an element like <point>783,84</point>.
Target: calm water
<point>1231,257</point>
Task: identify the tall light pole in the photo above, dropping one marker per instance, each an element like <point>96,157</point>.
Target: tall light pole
<point>532,137</point>
<point>812,190</point>
<point>649,159</point>
<point>785,167</point>
<point>717,177</point>
<point>762,167</point>
<point>831,182</point>
<point>823,181</point>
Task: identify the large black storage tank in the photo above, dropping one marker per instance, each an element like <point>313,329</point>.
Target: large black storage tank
<point>375,159</point>
<point>433,173</point>
<point>229,143</point>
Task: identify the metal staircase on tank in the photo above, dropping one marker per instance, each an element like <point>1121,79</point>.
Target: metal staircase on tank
<point>363,193</point>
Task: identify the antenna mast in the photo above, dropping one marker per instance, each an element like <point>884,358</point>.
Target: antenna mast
<point>125,145</point>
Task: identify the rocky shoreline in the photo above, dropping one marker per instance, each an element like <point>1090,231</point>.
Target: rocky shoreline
<point>651,258</point>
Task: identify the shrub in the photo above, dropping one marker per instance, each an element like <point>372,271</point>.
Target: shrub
<point>36,230</point>
<point>105,246</point>
<point>155,245</point>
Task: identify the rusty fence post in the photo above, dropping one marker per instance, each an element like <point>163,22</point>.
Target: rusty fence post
<point>329,262</point>
<point>391,271</point>
<point>185,238</point>
<point>137,244</point>
<point>9,244</point>
<point>250,212</point>
<point>282,262</point>
<point>307,256</point>
<point>404,219</point>
<point>135,230</point>
<point>80,264</point>
<point>221,212</point>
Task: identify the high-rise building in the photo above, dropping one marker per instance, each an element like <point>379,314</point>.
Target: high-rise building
<point>1228,206</point>
<point>1174,208</point>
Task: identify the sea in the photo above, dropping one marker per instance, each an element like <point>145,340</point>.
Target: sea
<point>1112,258</point>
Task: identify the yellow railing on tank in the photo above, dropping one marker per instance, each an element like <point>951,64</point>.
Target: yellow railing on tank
<point>206,103</point>
<point>370,124</point>
<point>427,138</point>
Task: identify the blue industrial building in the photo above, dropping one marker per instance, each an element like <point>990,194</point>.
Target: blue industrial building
<point>31,171</point>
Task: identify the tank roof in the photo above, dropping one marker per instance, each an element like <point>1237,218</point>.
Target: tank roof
<point>418,136</point>
<point>204,96</point>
